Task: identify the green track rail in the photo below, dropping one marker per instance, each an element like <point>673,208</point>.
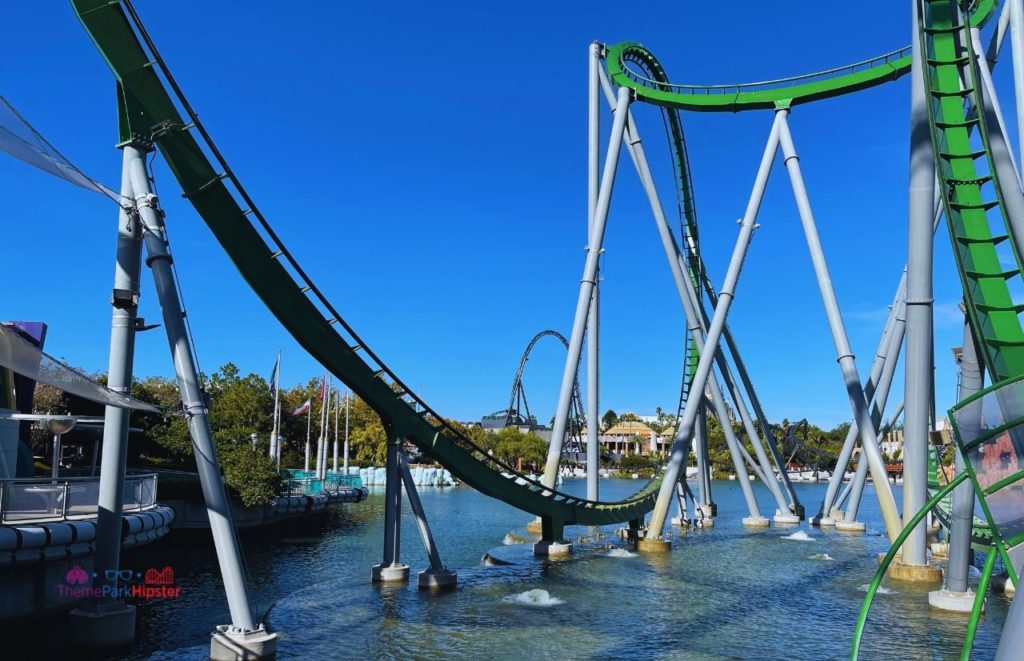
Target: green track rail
<point>149,114</point>
<point>970,191</point>
<point>622,59</point>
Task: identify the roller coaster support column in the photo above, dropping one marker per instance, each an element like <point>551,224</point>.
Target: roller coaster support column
<point>108,622</point>
<point>787,514</point>
<point>244,632</point>
<point>920,354</point>
<point>437,577</point>
<point>391,570</point>
<point>694,325</point>
<point>653,541</point>
<point>1016,9</point>
<point>783,514</point>
<point>593,323</point>
<point>826,515</point>
<point>890,359</point>
<point>587,286</point>
<point>869,442</point>
<point>955,595</point>
<point>700,443</point>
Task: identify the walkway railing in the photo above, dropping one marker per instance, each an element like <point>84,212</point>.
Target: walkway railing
<point>306,483</point>
<point>25,500</point>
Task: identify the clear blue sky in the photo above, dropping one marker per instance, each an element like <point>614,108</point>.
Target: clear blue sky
<point>426,163</point>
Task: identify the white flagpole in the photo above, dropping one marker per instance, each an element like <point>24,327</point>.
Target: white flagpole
<point>337,405</point>
<point>348,398</point>
<point>275,445</point>
<point>309,423</point>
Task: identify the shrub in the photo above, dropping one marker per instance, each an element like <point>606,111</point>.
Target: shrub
<point>250,475</point>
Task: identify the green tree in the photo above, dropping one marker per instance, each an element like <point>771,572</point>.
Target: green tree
<point>609,420</point>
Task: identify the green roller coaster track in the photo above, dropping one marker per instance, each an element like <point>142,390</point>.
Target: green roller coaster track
<point>153,110</point>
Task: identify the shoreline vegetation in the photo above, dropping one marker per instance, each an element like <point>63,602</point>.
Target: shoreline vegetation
<point>241,419</point>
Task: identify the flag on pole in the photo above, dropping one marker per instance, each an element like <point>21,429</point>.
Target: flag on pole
<point>302,409</point>
<point>274,375</point>
<point>323,387</point>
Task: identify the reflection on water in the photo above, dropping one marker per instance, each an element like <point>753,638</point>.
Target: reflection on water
<point>722,592</point>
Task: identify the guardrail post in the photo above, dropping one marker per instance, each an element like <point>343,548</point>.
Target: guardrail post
<point>66,497</point>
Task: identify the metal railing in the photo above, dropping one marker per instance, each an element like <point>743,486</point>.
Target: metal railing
<point>25,500</point>
<point>306,483</point>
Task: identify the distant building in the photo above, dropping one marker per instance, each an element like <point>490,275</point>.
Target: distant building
<point>633,437</point>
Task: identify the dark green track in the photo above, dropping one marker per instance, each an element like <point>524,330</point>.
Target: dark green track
<point>149,114</point>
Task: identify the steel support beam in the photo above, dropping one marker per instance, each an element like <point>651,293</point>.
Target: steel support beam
<point>587,286</point>
<point>962,514</point>
<point>593,403</point>
<point>119,378</point>
<point>678,453</point>
<point>218,510</point>
<point>845,357</point>
<point>920,360</point>
<point>694,323</point>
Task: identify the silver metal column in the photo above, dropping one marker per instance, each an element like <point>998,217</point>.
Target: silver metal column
<point>392,503</point>
<point>830,501</point>
<point>919,360</point>
<point>700,434</point>
<point>1016,9</point>
<point>594,319</point>
<point>337,405</point>
<point>419,514</point>
<point>693,319</point>
<point>892,356</point>
<point>587,286</point>
<point>217,506</point>
<point>677,455</point>
<point>119,378</point>
<point>835,319</point>
<point>962,515</point>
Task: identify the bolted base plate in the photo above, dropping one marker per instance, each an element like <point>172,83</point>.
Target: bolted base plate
<point>227,645</point>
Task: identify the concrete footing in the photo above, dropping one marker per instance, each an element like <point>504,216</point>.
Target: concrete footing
<point>394,573</point>
<point>823,521</point>
<point>552,549</point>
<point>912,573</point>
<point>706,522</point>
<point>940,550</point>
<point>534,527</point>
<point>955,602</point>
<point>657,545</point>
<point>755,521</point>
<point>785,518</point>
<point>228,645</point>
<point>850,526</point>
<point>437,580</point>
<point>103,626</point>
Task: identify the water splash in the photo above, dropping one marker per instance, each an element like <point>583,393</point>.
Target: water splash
<point>512,538</point>
<point>820,556</point>
<point>880,590</point>
<point>800,536</point>
<point>536,598</point>
<point>620,553</point>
